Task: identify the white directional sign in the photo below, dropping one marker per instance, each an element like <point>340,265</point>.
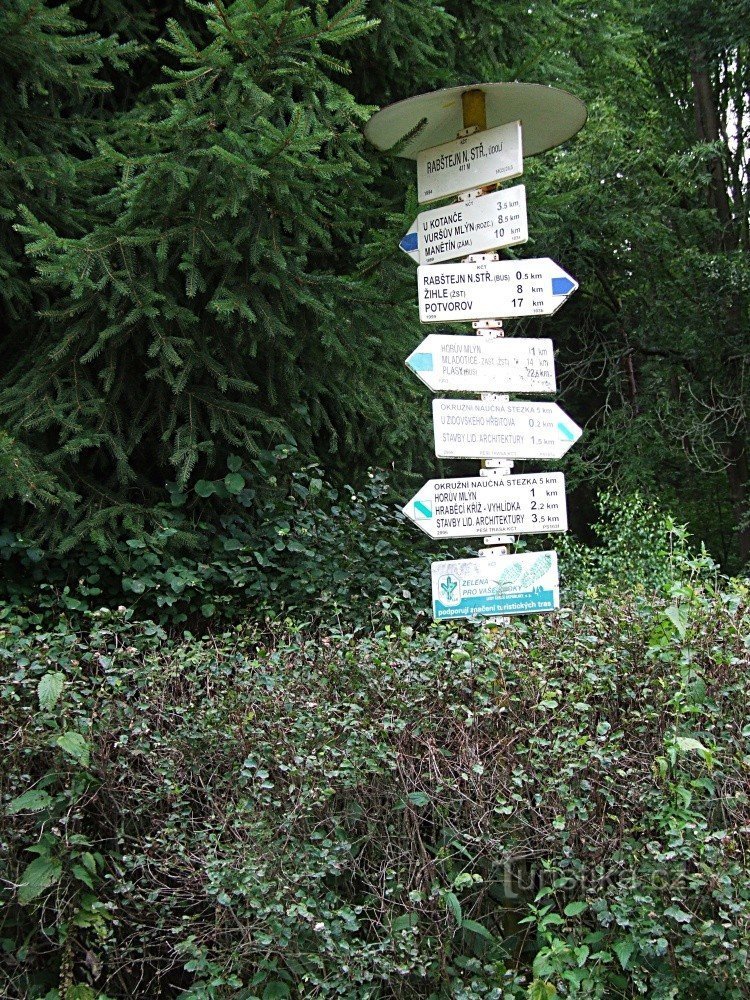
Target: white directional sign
<point>454,293</point>
<point>482,428</point>
<point>478,364</point>
<point>521,584</point>
<point>482,158</point>
<point>511,505</point>
<point>486,223</point>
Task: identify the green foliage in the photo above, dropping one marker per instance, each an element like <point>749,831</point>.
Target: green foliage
<point>557,808</point>
<point>284,541</point>
<point>638,545</point>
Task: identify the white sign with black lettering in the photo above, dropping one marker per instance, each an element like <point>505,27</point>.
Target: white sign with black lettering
<point>478,364</point>
<point>456,293</point>
<point>474,161</point>
<point>487,223</point>
<point>482,428</point>
<point>471,508</point>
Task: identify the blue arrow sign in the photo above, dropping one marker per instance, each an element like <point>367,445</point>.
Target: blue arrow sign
<point>562,286</point>
<point>409,242</point>
<point>420,361</point>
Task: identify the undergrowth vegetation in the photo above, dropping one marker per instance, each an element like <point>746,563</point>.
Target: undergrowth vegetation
<point>387,808</point>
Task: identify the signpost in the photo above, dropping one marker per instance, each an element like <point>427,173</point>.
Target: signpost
<point>478,364</point>
<point>470,508</point>
<point>454,293</point>
<point>469,162</point>
<point>496,506</point>
<point>484,428</point>
<point>466,227</point>
<point>521,584</point>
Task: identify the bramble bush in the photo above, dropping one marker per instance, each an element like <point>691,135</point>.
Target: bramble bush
<point>556,808</point>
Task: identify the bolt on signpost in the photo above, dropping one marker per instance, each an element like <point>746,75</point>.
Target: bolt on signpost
<point>467,141</point>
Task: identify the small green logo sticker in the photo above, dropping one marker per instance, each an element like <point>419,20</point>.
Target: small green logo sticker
<point>450,590</point>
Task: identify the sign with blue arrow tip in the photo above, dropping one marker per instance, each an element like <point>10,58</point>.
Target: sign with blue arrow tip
<point>494,289</point>
<point>485,223</point>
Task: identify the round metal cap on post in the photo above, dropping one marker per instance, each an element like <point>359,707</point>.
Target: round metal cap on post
<point>548,115</point>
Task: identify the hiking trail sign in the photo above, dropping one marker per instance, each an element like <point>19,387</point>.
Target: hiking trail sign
<point>454,293</point>
<point>478,364</point>
<point>481,506</point>
<point>469,162</point>
<point>483,428</point>
<point>495,220</point>
<point>466,141</point>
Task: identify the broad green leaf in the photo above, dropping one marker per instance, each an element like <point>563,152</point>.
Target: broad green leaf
<point>234,482</point>
<point>276,990</point>
<point>34,800</point>
<point>418,798</point>
<point>75,746</point>
<point>581,954</point>
<point>679,618</point>
<point>39,875</point>
<point>477,928</point>
<point>679,915</point>
<point>204,488</point>
<point>405,921</point>
<point>49,689</point>
<point>623,950</point>
<point>82,875</point>
<point>573,909</point>
<point>234,463</point>
<point>453,904</point>
<point>686,744</point>
<point>81,992</point>
<point>541,991</point>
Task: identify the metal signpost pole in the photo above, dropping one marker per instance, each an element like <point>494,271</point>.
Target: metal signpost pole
<point>475,118</point>
<point>467,141</point>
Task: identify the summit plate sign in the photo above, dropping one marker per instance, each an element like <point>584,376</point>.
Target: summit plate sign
<point>472,161</point>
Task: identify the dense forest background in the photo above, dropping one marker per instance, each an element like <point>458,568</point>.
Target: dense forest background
<point>199,262</point>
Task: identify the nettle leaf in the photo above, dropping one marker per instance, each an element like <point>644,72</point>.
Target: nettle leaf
<point>49,689</point>
<point>623,950</point>
<point>541,991</point>
<point>276,990</point>
<point>34,800</point>
<point>75,746</point>
<point>39,875</point>
<point>679,618</point>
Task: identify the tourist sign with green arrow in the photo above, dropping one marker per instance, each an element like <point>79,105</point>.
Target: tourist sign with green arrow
<point>489,505</point>
<point>483,428</point>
